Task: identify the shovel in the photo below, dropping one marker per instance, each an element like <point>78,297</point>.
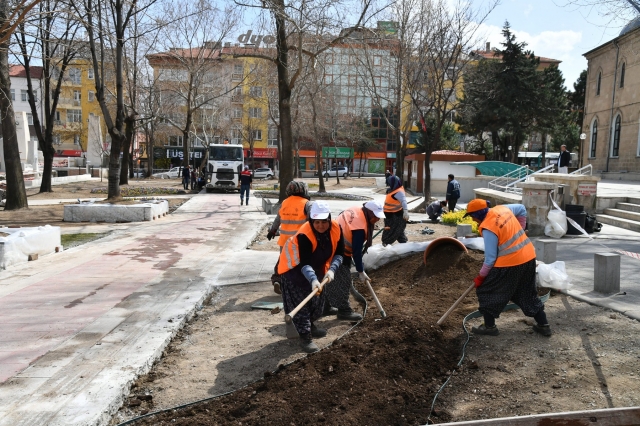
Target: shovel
<point>455,305</point>
<point>289,317</point>
<point>383,314</point>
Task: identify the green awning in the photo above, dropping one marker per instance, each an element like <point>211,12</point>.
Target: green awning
<point>490,168</point>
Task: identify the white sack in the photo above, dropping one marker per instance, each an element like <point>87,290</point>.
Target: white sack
<point>553,275</point>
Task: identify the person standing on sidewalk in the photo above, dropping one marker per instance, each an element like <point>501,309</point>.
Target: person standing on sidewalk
<point>564,160</point>
<point>292,215</point>
<point>246,183</point>
<point>185,177</point>
<point>396,213</point>
<point>509,269</point>
<point>434,210</point>
<point>193,179</point>
<point>357,228</point>
<point>311,255</point>
<point>453,193</point>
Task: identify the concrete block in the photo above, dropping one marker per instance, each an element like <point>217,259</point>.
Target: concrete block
<point>545,250</point>
<point>116,213</point>
<point>535,198</point>
<point>606,273</point>
<point>463,229</point>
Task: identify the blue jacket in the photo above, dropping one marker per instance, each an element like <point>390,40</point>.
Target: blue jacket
<point>453,190</point>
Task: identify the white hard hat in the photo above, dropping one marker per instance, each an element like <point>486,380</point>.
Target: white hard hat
<point>320,210</point>
<point>376,208</point>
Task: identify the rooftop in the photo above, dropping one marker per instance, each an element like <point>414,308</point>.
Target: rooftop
<point>19,71</point>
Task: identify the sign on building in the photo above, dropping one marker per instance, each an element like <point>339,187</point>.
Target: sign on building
<point>337,152</point>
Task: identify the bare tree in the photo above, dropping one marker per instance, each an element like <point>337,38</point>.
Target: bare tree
<point>614,9</point>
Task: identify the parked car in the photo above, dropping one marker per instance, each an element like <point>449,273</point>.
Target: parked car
<point>263,172</point>
<point>173,173</point>
<point>139,173</point>
<point>340,170</point>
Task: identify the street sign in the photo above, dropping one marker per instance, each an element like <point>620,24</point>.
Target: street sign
<point>330,152</point>
<point>587,189</point>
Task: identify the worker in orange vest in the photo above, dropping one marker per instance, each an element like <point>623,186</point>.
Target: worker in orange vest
<point>396,213</point>
<point>357,228</point>
<point>509,269</point>
<point>314,253</point>
<point>291,216</point>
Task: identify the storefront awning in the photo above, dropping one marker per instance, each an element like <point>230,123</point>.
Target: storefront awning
<point>68,153</point>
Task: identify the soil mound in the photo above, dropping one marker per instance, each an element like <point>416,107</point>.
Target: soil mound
<point>383,372</point>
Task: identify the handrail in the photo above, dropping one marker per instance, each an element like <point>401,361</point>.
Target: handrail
<point>509,187</point>
<point>583,171</point>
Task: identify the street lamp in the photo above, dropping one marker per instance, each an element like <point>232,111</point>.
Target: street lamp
<point>583,136</point>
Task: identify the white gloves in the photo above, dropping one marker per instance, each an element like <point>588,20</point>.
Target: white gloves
<point>405,215</point>
<point>363,276</point>
<point>329,276</point>
<point>315,286</point>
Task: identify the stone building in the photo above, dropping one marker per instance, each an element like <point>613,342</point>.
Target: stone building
<point>612,106</point>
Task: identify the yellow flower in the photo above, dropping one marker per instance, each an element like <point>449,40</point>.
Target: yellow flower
<point>455,218</point>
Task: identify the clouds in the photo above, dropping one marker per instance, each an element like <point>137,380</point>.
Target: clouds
<point>563,45</point>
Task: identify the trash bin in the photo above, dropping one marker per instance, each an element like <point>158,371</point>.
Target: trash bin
<point>577,213</point>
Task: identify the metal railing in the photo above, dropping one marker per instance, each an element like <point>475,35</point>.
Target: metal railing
<point>586,170</point>
<point>507,183</point>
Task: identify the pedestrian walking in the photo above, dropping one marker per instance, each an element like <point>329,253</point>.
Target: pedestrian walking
<point>434,210</point>
<point>453,192</point>
<point>194,179</point>
<point>185,177</point>
<point>314,253</point>
<point>292,215</point>
<point>246,183</point>
<point>396,213</point>
<point>357,229</point>
<point>509,269</point>
<point>564,160</point>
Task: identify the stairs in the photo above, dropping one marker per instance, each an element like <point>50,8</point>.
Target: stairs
<point>625,215</point>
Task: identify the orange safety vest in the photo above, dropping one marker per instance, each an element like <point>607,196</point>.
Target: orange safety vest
<point>391,205</point>
<point>290,255</point>
<point>292,217</point>
<point>514,247</point>
<point>351,220</point>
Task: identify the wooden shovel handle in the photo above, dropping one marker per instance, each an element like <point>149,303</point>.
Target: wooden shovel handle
<point>289,317</point>
<point>455,305</point>
<point>383,314</point>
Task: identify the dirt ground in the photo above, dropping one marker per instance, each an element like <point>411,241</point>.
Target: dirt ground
<point>388,371</point>
<point>51,214</point>
<point>330,185</point>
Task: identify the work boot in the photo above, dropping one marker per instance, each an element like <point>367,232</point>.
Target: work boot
<point>241,201</point>
<point>317,332</point>
<point>545,330</point>
<point>349,315</point>
<point>307,344</point>
<point>329,310</point>
<point>484,330</point>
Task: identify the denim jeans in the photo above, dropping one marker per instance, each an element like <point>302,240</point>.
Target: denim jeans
<point>244,189</point>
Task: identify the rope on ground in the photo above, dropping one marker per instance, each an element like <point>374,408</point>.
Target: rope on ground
<point>472,315</point>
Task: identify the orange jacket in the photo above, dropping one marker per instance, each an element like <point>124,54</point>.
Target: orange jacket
<point>391,205</point>
<point>514,247</point>
<point>292,217</point>
<point>290,256</point>
<point>351,220</point>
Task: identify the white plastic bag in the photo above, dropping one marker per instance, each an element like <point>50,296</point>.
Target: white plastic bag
<point>553,275</point>
<point>556,226</point>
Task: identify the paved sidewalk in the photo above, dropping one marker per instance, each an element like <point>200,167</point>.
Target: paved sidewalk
<point>81,325</point>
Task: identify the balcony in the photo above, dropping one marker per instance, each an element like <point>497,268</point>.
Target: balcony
<point>65,103</point>
<point>236,98</point>
<point>236,76</point>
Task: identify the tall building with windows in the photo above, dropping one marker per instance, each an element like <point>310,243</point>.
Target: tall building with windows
<point>612,111</point>
<point>20,100</point>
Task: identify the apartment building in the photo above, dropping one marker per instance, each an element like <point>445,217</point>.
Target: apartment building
<point>27,139</point>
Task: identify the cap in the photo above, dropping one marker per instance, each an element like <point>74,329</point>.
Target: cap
<point>320,210</point>
<point>246,167</point>
<point>475,205</point>
<point>376,208</point>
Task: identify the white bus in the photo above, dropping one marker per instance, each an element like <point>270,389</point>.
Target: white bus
<point>224,167</point>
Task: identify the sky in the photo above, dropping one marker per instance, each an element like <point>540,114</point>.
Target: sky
<point>553,29</point>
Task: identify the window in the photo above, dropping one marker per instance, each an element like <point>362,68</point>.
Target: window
<point>74,75</point>
<point>622,69</point>
<point>76,139</point>
<point>56,139</point>
<point>238,72</point>
<point>273,136</point>
<point>90,73</point>
<point>275,111</point>
<point>273,93</point>
<point>77,96</point>
<point>57,118</point>
<point>255,112</point>
<point>256,135</point>
<point>175,140</point>
<point>92,96</point>
<point>237,113</point>
<point>256,91</point>
<point>13,94</point>
<point>236,136</point>
<point>615,149</point>
<point>594,139</point>
<point>598,83</point>
<point>30,119</point>
<point>74,115</point>
<point>236,95</point>
<point>24,95</point>
<point>377,60</point>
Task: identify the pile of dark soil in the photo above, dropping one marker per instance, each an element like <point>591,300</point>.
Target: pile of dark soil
<point>383,372</point>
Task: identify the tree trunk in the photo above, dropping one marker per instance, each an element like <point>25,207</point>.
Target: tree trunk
<point>427,177</point>
<point>544,151</point>
<point>321,187</point>
<point>126,147</point>
<point>284,100</point>
<point>336,165</point>
<point>113,187</point>
<point>16,197</point>
<point>47,170</point>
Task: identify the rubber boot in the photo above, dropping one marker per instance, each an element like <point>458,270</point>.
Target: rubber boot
<point>317,332</point>
<point>349,315</point>
<point>307,345</point>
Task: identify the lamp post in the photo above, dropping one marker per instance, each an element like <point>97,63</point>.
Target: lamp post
<point>583,136</point>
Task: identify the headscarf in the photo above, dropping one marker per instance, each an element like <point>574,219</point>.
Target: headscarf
<point>394,183</point>
<point>297,188</point>
<point>368,214</point>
